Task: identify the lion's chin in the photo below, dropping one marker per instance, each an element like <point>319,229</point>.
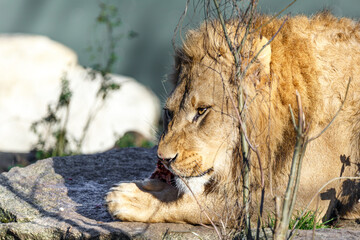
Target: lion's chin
<point>193,185</point>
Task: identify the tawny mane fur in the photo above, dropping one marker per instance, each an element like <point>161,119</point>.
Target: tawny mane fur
<point>200,144</point>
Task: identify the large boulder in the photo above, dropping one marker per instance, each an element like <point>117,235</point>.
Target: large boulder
<point>31,69</point>
<point>62,198</point>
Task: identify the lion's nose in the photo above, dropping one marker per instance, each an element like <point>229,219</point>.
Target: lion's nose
<point>167,160</point>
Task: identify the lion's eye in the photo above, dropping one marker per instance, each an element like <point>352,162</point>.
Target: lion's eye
<point>168,114</point>
<point>201,111</point>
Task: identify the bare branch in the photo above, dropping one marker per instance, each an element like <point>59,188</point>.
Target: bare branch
<point>201,207</point>
<point>294,177</point>
<point>336,114</point>
<point>179,23</point>
<point>263,47</point>
<point>221,18</point>
<point>275,16</point>
<point>316,194</point>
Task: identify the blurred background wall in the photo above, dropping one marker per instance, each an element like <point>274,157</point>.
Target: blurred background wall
<point>148,57</point>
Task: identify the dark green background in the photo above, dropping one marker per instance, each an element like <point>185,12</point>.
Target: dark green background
<point>148,58</point>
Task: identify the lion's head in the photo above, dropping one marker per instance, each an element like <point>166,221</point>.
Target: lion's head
<point>201,127</point>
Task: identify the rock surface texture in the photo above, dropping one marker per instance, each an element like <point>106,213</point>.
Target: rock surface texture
<point>62,198</point>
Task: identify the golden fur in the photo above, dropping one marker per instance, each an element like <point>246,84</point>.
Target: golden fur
<point>200,143</point>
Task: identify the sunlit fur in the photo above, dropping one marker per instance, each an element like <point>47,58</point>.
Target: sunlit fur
<point>314,56</point>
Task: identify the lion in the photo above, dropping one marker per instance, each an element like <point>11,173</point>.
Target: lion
<point>200,144</point>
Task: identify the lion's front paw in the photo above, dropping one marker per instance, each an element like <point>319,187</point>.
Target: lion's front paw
<point>125,202</point>
<point>136,202</point>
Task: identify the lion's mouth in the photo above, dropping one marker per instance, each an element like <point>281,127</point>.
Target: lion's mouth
<point>198,175</point>
<point>164,174</point>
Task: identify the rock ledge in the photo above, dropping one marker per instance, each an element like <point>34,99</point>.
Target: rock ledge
<point>62,198</point>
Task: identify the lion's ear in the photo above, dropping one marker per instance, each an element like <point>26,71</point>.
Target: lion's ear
<point>265,55</point>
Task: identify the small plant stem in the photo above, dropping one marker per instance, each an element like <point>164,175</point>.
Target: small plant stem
<point>317,136</point>
<point>336,114</point>
<point>239,74</point>
<point>246,174</point>
<point>294,177</point>
<point>177,28</point>
<point>62,134</point>
<point>318,192</point>
<point>315,220</point>
<point>227,37</point>
<point>89,120</point>
<point>243,136</point>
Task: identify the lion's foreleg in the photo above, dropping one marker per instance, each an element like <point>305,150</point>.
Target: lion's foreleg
<point>154,201</point>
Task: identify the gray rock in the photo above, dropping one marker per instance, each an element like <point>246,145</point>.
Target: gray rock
<point>62,198</point>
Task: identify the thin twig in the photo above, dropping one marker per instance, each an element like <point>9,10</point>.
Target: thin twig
<point>336,114</point>
<point>247,30</point>
<point>179,23</point>
<point>247,139</point>
<point>318,192</point>
<point>317,136</point>
<point>304,138</point>
<point>275,16</point>
<point>221,18</point>
<point>243,135</point>
<point>201,207</point>
<point>263,47</point>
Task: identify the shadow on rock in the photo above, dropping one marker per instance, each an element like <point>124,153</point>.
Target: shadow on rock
<point>63,197</point>
<point>88,178</point>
